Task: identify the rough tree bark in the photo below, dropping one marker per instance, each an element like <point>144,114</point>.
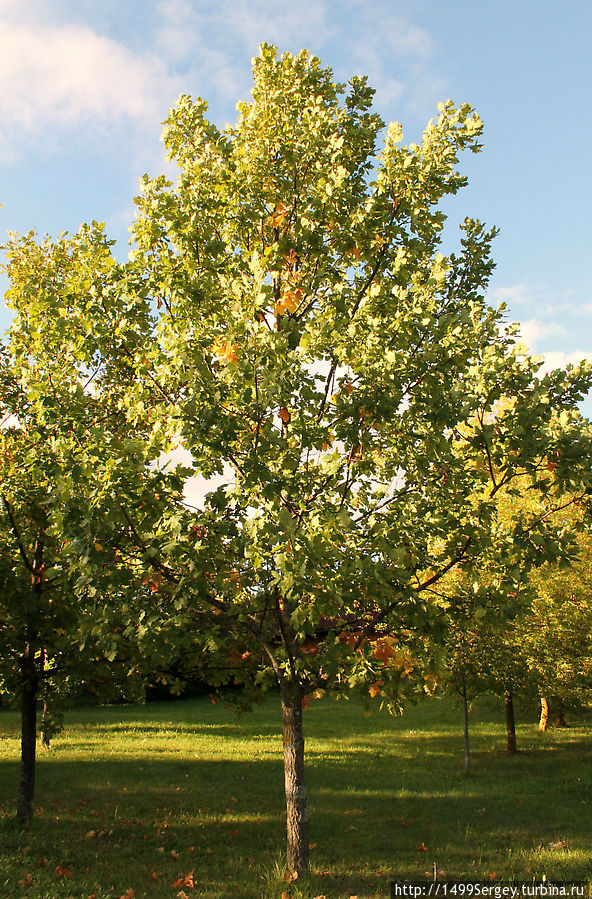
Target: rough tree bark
<point>298,857</point>
<point>510,722</point>
<point>544,719</point>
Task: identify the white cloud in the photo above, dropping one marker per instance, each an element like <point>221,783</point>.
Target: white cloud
<point>558,359</point>
<point>71,77</point>
<point>534,330</point>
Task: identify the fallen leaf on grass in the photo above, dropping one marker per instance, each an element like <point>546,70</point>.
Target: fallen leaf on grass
<point>63,872</point>
<point>185,881</point>
<point>42,863</point>
<point>407,822</point>
<point>91,834</point>
<point>290,878</point>
<point>560,844</point>
<point>129,894</point>
<point>312,845</point>
<point>25,881</point>
<point>493,875</point>
<point>155,875</point>
<point>174,853</point>
<point>421,848</point>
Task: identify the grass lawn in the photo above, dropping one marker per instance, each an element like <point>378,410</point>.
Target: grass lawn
<point>132,799</point>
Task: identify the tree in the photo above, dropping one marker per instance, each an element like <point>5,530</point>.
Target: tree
<point>491,638</point>
<point>57,631</point>
<point>305,339</point>
<point>556,631</point>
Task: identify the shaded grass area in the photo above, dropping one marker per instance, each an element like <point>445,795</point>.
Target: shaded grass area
<point>137,797</point>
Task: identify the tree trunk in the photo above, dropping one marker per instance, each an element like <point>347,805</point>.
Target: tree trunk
<point>45,729</point>
<point>510,721</point>
<point>26,787</point>
<point>298,859</point>
<point>544,719</point>
<point>466,717</point>
<point>560,720</point>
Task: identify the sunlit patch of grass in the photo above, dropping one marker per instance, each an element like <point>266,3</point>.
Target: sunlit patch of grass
<point>139,796</point>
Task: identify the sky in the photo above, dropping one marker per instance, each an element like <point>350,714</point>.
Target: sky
<point>84,87</point>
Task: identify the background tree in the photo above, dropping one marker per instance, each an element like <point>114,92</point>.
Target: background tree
<point>58,631</point>
<point>489,607</point>
<point>556,631</point>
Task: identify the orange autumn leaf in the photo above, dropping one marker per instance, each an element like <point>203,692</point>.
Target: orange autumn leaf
<point>63,872</point>
<point>129,894</point>
<point>284,415</point>
<point>289,302</point>
<point>375,689</point>
<point>224,351</point>
<point>25,881</point>
<point>185,881</point>
<point>421,848</point>
<point>279,215</point>
<point>385,649</point>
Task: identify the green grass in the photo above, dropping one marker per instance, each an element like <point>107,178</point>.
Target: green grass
<point>135,792</point>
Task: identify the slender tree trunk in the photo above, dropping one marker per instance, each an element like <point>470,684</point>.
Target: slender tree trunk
<point>560,720</point>
<point>30,677</point>
<point>544,719</point>
<point>44,731</point>
<point>466,717</point>
<point>510,721</point>
<point>298,859</point>
<point>26,787</point>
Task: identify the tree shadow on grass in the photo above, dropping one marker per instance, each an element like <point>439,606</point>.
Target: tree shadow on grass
<point>377,810</point>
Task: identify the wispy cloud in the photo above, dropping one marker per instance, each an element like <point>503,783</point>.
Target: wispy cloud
<point>533,331</point>
<point>64,72</point>
<point>189,33</point>
<point>68,77</point>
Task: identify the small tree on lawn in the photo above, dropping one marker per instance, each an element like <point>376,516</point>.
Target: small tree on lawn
<point>483,601</point>
<point>56,630</point>
<point>312,346</point>
<point>556,632</point>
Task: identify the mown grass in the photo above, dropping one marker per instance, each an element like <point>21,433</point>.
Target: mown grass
<point>134,798</point>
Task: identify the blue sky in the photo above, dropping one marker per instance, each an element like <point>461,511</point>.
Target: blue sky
<point>84,86</point>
